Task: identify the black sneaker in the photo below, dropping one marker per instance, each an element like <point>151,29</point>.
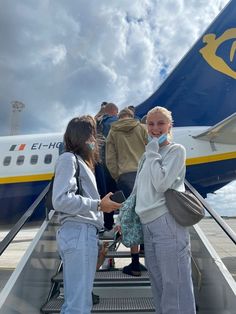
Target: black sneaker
<point>95,298</point>
<point>130,270</point>
<point>142,267</point>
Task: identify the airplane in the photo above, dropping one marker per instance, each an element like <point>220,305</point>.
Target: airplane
<point>200,92</point>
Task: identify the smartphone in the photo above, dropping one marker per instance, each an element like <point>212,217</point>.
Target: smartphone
<point>118,197</point>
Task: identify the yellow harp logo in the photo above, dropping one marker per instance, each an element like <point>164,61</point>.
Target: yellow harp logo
<point>209,51</point>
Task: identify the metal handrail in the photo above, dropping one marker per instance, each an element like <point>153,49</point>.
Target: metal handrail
<point>20,223</point>
<point>224,226</point>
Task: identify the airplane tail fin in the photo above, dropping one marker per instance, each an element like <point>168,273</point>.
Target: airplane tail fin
<point>201,90</point>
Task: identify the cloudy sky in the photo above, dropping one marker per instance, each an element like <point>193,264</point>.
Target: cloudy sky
<point>224,200</point>
<point>63,58</point>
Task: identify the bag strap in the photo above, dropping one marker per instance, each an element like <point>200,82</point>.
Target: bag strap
<point>77,176</point>
<point>140,166</point>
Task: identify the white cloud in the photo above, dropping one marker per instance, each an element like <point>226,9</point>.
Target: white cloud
<point>49,56</point>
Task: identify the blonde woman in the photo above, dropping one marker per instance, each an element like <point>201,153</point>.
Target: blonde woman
<point>167,244</point>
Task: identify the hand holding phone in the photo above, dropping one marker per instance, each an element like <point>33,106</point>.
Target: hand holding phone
<point>118,197</point>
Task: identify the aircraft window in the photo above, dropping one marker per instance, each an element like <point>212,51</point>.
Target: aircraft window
<point>34,159</point>
<point>48,159</point>
<point>7,160</point>
<point>20,160</point>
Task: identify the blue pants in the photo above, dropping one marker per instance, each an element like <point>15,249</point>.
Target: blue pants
<point>167,257</point>
<point>78,248</point>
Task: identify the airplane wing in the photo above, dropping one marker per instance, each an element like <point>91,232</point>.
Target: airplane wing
<point>223,132</point>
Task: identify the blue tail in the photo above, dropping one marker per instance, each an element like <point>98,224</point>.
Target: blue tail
<point>201,90</point>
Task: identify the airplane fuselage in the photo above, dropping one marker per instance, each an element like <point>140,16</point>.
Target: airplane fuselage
<point>27,165</point>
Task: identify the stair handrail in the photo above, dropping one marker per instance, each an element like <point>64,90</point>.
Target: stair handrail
<point>219,220</point>
<point>20,223</point>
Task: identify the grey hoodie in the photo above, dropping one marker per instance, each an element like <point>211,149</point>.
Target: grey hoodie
<point>163,168</point>
<point>72,207</point>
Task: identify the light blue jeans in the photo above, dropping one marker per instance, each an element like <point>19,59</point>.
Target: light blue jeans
<point>167,256</point>
<point>78,248</point>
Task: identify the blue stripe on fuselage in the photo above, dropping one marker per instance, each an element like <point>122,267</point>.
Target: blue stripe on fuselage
<point>203,176</point>
<point>16,198</point>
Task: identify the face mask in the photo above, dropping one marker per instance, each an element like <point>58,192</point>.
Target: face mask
<point>162,138</point>
<point>91,145</point>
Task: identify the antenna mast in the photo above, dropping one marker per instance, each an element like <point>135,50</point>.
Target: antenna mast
<point>17,107</point>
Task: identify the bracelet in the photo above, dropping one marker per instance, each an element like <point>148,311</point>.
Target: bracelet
<point>99,206</point>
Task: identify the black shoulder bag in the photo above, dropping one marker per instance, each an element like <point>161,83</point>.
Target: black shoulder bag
<point>48,196</point>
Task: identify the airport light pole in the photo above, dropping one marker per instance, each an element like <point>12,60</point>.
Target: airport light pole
<point>17,107</point>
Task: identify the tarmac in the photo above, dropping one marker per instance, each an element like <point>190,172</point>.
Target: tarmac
<point>222,244</point>
<point>14,252</point>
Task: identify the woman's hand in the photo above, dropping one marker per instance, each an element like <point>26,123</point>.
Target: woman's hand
<point>107,205</point>
<point>153,145</point>
<point>117,228</point>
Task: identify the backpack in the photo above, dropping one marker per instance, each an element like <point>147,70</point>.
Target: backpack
<point>48,196</point>
<point>106,122</point>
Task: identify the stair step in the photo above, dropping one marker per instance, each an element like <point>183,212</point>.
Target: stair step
<point>109,305</point>
<point>117,275</point>
<point>103,238</point>
<point>112,275</point>
<point>120,254</point>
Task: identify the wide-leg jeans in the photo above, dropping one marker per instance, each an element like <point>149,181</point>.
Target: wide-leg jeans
<point>168,259</point>
<point>78,248</point>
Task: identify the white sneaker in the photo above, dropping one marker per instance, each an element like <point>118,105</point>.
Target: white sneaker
<point>109,263</point>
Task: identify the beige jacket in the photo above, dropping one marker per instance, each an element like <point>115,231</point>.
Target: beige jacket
<point>125,145</point>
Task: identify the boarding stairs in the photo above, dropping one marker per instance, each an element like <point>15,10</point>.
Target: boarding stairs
<point>118,292</point>
<point>36,285</point>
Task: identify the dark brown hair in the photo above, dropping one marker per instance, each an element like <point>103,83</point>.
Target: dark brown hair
<point>79,131</point>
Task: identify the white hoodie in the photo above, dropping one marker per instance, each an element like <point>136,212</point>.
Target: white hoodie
<point>163,168</point>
